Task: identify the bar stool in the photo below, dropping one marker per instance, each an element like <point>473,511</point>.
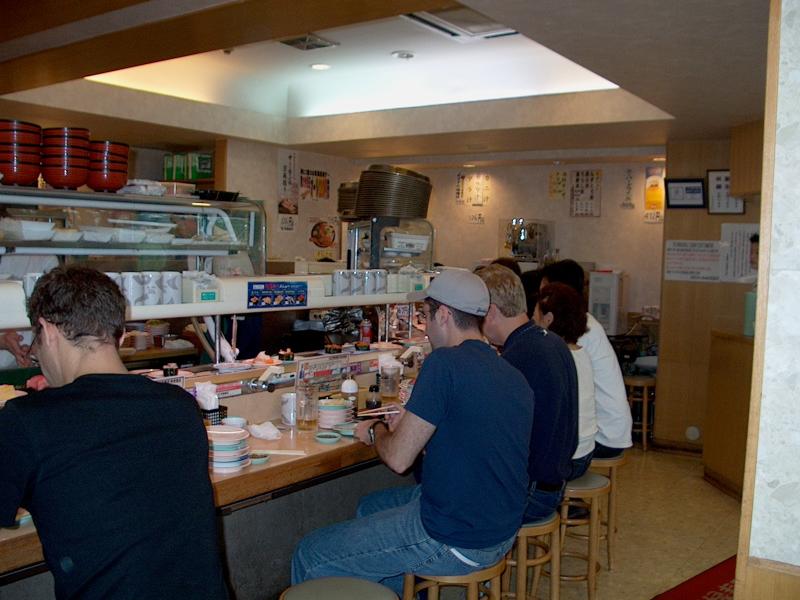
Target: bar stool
<point>641,388</point>
<point>338,588</point>
<point>544,553</point>
<point>474,582</point>
<point>612,464</point>
<point>584,492</point>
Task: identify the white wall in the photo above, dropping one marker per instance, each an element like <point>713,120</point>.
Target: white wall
<point>618,239</point>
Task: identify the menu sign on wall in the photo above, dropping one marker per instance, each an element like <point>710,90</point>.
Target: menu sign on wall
<point>692,260</point>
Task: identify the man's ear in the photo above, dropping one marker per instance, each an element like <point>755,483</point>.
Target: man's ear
<point>547,319</point>
<point>48,331</point>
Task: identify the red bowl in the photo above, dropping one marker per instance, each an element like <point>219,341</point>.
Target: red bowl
<point>54,152</point>
<point>96,155</point>
<point>25,157</point>
<point>18,173</point>
<point>20,137</point>
<point>79,132</point>
<point>109,146</point>
<point>107,181</point>
<point>65,177</point>
<point>119,165</point>
<point>65,161</point>
<point>13,125</point>
<point>64,142</point>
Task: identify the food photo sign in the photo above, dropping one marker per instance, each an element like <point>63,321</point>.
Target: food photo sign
<point>276,294</point>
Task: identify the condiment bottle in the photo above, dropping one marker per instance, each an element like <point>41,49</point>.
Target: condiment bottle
<point>374,397</point>
<point>350,391</point>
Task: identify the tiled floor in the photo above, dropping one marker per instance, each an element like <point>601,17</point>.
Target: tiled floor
<point>672,525</point>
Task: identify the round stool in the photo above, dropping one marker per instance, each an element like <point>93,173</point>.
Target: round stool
<point>474,582</point>
<point>584,492</point>
<point>612,464</point>
<point>338,588</point>
<point>544,552</point>
<point>641,389</point>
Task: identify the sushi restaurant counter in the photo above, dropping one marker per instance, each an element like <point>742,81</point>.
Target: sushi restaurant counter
<point>282,474</point>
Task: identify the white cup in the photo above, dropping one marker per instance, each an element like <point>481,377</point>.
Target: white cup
<point>380,278</point>
<point>139,340</point>
<point>357,283</point>
<point>342,282</point>
<point>369,282</point>
<point>115,277</point>
<point>133,287</point>
<point>172,286</point>
<point>29,282</point>
<point>289,409</point>
<point>152,287</point>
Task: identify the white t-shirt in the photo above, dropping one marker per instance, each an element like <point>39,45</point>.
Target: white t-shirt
<point>587,419</point>
<point>613,413</point>
<point>15,267</point>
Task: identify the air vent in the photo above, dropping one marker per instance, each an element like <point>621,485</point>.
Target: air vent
<point>309,41</point>
<point>460,24</point>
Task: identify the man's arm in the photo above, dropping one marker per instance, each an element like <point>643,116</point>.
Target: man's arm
<point>400,447</point>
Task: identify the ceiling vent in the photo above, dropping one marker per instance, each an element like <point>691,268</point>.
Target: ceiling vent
<point>309,41</point>
<point>460,24</point>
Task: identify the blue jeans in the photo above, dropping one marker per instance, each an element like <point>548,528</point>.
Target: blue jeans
<point>580,466</point>
<point>541,503</point>
<point>384,541</point>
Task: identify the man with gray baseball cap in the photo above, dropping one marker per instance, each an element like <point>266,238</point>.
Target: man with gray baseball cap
<point>471,412</point>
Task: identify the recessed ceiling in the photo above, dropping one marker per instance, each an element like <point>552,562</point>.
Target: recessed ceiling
<point>276,79</point>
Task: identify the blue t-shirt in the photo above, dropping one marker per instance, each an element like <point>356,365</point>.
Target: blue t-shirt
<point>545,361</point>
<point>474,488</point>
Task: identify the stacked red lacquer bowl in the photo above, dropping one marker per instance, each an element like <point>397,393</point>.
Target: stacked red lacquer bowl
<point>65,156</point>
<point>108,166</point>
<point>19,152</point>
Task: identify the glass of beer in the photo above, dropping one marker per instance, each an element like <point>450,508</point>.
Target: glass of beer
<point>307,406</point>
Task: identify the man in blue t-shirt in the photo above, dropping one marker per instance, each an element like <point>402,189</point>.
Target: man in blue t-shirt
<point>472,414</point>
<point>547,364</point>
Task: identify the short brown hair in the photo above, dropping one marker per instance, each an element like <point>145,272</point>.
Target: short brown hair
<point>505,289</point>
<point>569,314</point>
<point>462,320</point>
<point>83,303</point>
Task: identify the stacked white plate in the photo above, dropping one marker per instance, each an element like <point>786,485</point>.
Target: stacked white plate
<point>228,450</point>
<point>333,412</point>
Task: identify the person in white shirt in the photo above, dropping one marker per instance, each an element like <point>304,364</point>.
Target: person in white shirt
<point>15,345</point>
<point>614,420</point>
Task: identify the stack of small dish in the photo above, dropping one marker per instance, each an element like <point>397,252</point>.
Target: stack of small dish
<point>333,412</point>
<point>228,450</point>
<point>108,169</point>
<point>65,156</point>
<point>20,152</point>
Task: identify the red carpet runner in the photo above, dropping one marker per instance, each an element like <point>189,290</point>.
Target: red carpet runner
<point>715,583</point>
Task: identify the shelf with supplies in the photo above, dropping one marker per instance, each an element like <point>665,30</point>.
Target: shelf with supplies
<point>70,223</point>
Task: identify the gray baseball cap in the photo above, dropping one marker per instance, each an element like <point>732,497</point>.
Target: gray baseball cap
<point>459,289</point>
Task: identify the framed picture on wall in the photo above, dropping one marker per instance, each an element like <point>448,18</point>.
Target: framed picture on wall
<point>720,202</point>
<point>685,193</point>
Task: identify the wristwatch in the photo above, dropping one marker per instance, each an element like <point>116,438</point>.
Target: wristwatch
<point>371,431</point>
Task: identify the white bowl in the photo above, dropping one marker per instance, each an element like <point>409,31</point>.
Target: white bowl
<point>97,234</point>
<point>67,235</point>
<point>129,236</point>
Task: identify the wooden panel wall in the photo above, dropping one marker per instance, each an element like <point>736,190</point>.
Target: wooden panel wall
<point>747,147</point>
<point>690,310</point>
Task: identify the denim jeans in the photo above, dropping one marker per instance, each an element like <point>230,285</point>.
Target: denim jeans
<point>384,541</point>
<point>580,466</point>
<point>541,503</point>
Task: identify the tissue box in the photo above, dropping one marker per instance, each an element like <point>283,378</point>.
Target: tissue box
<point>199,289</point>
<point>214,416</point>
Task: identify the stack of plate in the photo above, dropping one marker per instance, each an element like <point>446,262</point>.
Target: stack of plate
<point>348,191</point>
<point>228,450</point>
<point>387,191</point>
<point>333,412</point>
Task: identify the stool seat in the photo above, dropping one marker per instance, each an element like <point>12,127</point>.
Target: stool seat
<point>607,463</point>
<point>586,484</point>
<point>541,522</point>
<point>544,537</point>
<point>639,380</point>
<point>338,588</point>
<point>474,582</point>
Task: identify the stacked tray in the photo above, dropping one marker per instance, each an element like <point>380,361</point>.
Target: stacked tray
<point>348,192</point>
<point>387,191</point>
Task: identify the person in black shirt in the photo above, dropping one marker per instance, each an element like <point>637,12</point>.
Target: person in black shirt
<point>112,467</point>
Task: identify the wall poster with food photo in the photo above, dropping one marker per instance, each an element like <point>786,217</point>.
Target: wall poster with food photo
<point>288,183</point>
<point>322,237</point>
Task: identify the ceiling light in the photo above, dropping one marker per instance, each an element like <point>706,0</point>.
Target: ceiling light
<point>660,159</point>
<point>403,54</point>
<point>320,67</point>
<point>469,166</point>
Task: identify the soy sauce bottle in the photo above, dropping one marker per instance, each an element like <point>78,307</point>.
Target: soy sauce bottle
<point>373,398</point>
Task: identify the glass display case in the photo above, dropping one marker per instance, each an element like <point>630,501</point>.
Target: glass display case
<point>141,232</point>
<point>390,243</point>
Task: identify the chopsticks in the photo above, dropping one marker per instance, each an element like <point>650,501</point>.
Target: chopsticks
<point>281,451</point>
<point>377,412</point>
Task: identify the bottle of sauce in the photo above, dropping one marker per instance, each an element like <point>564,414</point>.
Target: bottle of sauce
<point>365,331</point>
<point>373,397</point>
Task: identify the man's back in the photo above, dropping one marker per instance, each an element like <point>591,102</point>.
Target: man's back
<point>474,483</point>
<point>545,361</point>
<point>113,469</point>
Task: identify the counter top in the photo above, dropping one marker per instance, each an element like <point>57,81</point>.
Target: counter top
<point>20,547</point>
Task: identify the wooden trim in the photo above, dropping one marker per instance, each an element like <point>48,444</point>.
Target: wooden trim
<point>226,26</point>
<point>776,566</point>
<point>722,483</point>
<point>765,244</point>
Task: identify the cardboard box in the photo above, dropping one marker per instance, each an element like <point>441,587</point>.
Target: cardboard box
<point>199,165</point>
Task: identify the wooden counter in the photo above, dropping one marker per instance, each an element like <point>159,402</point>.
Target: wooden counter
<point>20,548</point>
<point>725,436</point>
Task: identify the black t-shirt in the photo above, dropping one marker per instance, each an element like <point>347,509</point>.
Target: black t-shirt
<point>114,470</point>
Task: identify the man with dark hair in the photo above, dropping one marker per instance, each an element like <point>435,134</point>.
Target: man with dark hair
<point>472,414</point>
<point>113,467</point>
<point>614,420</point>
<point>545,361</point>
